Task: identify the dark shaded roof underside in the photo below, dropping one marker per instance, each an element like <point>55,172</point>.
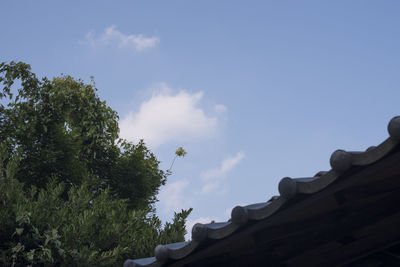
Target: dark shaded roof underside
<point>243,217</point>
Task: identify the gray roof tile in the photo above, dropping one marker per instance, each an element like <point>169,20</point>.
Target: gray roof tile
<point>341,161</point>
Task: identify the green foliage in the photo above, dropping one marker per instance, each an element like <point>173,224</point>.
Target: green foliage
<point>135,176</point>
<point>41,227</point>
<point>62,129</point>
<point>180,152</point>
<point>71,191</point>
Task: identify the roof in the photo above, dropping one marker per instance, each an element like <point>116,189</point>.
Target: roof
<point>287,217</point>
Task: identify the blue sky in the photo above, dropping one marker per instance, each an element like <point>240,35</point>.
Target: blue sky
<point>253,90</point>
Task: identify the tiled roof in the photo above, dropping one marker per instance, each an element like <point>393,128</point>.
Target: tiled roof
<point>341,161</point>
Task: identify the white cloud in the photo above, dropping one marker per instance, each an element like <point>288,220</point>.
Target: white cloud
<point>171,196</point>
<point>168,117</point>
<point>226,165</point>
<point>213,178</point>
<point>111,36</point>
<point>210,186</point>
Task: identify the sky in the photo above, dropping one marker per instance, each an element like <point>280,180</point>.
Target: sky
<point>254,91</point>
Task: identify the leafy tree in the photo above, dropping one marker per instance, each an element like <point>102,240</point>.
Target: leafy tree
<point>41,227</point>
<point>72,192</point>
<point>61,128</point>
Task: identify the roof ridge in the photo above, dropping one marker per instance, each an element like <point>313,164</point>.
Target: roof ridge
<point>340,161</point>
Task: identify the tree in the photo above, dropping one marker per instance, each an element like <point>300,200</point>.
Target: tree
<point>62,141</point>
<point>61,128</point>
<point>42,227</point>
